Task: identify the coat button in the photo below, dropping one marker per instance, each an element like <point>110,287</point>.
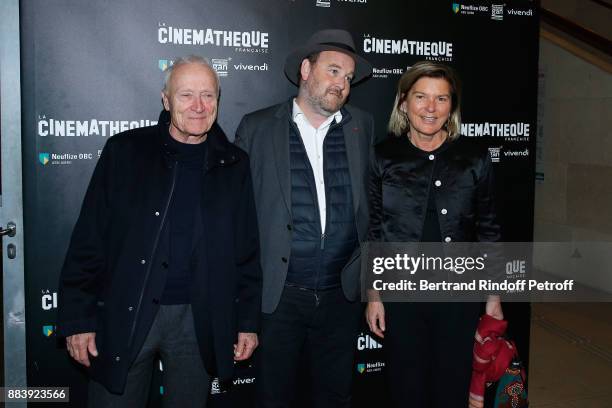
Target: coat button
<point>222,161</point>
<point>130,308</point>
<point>156,301</point>
<point>447,239</point>
<point>438,183</point>
<point>165,265</point>
<point>431,157</point>
<point>157,213</point>
<point>142,261</point>
<point>444,211</point>
<point>289,227</point>
<point>284,259</point>
<point>117,358</point>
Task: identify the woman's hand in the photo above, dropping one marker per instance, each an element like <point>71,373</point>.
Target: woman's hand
<point>375,316</point>
<point>494,308</point>
<point>473,403</point>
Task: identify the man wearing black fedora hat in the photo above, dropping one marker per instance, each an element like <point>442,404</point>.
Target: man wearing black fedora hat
<point>309,160</point>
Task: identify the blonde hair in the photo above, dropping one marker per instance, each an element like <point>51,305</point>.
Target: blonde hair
<point>398,122</point>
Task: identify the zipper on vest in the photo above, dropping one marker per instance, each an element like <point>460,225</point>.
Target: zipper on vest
<point>327,196</point>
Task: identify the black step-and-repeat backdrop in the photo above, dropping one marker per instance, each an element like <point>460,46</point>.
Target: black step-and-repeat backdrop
<point>93,69</point>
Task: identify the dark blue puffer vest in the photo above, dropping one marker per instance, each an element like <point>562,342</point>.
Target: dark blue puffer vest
<point>317,260</point>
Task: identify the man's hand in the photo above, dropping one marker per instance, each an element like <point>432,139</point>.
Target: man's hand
<point>375,316</point>
<point>81,345</point>
<point>243,349</point>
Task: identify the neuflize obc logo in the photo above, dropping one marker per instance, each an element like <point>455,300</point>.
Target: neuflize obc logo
<point>43,158</point>
<point>48,330</point>
<point>470,9</point>
<point>63,158</point>
<point>370,367</point>
<point>163,64</point>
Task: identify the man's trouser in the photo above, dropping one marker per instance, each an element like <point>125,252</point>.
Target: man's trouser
<point>185,382</point>
<point>319,328</point>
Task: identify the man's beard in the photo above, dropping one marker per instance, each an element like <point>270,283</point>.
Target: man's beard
<point>328,103</point>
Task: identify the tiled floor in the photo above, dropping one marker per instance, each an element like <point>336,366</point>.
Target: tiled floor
<point>571,356</point>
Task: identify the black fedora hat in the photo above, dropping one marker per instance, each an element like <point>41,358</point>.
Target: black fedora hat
<point>327,40</point>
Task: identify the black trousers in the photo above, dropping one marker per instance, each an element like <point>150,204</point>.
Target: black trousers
<point>429,353</point>
<point>319,328</point>
<point>186,383</point>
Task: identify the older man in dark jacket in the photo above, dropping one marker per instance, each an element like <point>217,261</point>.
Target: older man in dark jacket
<point>164,258</point>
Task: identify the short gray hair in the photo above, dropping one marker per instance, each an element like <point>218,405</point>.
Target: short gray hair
<point>189,59</point>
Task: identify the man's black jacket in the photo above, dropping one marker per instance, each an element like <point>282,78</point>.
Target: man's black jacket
<point>116,265</point>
